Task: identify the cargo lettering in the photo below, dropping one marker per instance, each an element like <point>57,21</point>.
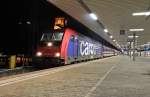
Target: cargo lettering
<point>86,48</point>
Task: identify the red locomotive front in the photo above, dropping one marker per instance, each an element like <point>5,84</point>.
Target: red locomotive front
<point>49,49</point>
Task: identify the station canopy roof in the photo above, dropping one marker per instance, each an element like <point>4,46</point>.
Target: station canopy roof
<point>115,15</point>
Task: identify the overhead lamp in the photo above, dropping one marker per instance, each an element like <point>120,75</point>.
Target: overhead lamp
<point>28,22</point>
<point>93,16</point>
<point>106,30</point>
<point>111,36</point>
<point>132,36</point>
<point>141,13</point>
<point>136,30</point>
<point>114,40</point>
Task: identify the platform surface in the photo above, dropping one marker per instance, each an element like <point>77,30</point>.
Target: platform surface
<point>116,76</point>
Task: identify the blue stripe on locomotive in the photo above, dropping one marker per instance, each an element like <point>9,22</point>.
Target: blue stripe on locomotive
<point>72,47</point>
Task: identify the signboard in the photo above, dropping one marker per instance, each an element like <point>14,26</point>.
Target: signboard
<point>59,23</point>
<point>122,32</point>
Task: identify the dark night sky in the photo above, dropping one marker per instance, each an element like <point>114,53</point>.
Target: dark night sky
<point>22,38</point>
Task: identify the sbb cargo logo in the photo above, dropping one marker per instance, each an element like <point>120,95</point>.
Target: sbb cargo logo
<point>87,48</point>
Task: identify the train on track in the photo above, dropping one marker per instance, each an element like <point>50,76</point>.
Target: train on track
<point>65,46</point>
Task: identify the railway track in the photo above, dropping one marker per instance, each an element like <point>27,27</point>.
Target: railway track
<point>18,70</point>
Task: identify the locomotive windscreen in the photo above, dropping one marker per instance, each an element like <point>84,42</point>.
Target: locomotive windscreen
<point>57,36</point>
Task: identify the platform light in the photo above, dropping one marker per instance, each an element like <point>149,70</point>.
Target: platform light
<point>141,13</point>
<point>28,22</point>
<point>132,36</point>
<point>111,36</point>
<point>93,16</point>
<point>106,30</point>
<point>136,30</point>
<point>114,40</point>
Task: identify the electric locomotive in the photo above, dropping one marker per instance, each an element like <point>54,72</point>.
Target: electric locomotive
<point>65,46</point>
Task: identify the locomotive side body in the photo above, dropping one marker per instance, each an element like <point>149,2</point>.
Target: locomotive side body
<point>67,46</point>
<point>108,52</point>
<point>78,47</point>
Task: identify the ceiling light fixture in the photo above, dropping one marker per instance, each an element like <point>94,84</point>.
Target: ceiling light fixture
<point>136,29</point>
<point>141,13</point>
<point>105,30</point>
<point>93,16</point>
<point>114,40</point>
<point>133,36</point>
<point>111,36</point>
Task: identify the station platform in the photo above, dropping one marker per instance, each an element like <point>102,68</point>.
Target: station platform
<point>116,76</point>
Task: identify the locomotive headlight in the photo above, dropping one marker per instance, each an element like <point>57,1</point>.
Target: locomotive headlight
<point>57,54</point>
<point>39,54</point>
<point>49,44</point>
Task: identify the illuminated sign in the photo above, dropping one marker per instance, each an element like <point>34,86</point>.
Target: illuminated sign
<point>59,23</point>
